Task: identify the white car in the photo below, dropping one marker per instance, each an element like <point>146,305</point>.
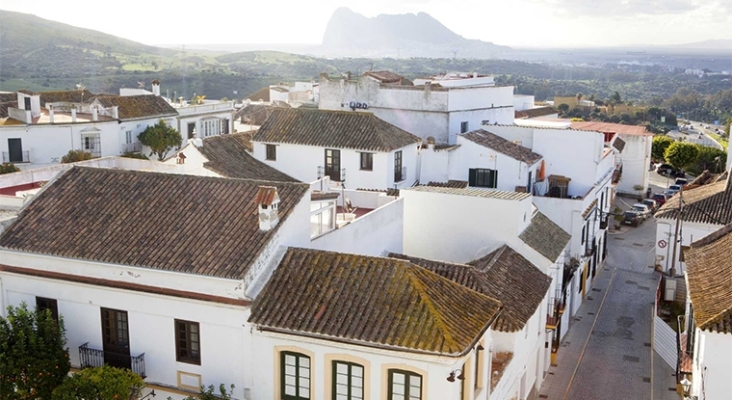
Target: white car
<point>642,209</point>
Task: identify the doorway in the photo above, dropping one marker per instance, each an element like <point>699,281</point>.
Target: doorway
<point>116,338</point>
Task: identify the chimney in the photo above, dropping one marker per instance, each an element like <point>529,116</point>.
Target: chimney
<point>115,112</point>
<point>156,87</point>
<point>95,114</point>
<point>475,74</point>
<point>427,89</point>
<point>267,202</point>
<point>73,115</point>
<point>50,113</point>
<point>431,142</point>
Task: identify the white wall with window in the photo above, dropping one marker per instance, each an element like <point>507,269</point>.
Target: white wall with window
<point>295,367</point>
<point>322,217</point>
<point>362,169</point>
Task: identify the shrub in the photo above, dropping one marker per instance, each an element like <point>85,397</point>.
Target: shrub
<point>76,155</point>
<point>6,168</point>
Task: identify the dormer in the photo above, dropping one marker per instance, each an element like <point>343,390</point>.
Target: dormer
<point>267,202</point>
<point>29,101</point>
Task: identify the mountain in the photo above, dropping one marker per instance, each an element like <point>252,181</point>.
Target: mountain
<point>406,35</point>
<point>720,44</point>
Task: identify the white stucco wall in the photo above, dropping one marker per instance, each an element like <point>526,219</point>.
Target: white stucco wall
<point>636,159</point>
<point>376,362</point>
<point>523,102</point>
<point>689,232</point>
<point>302,162</point>
<point>459,228</point>
<point>714,365</point>
<point>435,164</point>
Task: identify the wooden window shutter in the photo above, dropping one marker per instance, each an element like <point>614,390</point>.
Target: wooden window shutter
<point>492,178</point>
<point>472,176</point>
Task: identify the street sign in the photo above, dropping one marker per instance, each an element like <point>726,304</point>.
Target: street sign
<point>662,243</point>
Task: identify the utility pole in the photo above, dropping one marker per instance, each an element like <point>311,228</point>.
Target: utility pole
<point>672,270</point>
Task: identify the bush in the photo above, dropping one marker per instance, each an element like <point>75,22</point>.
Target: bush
<point>210,393</point>
<point>76,155</point>
<point>6,168</point>
<point>707,159</point>
<point>681,154</point>
<point>160,138</point>
<point>139,156</point>
<point>101,383</point>
<point>659,146</point>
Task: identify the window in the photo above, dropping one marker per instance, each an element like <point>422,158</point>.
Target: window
<point>463,126</point>
<point>187,342</point>
<point>487,178</point>
<point>271,152</point>
<point>367,161</point>
<point>529,182</point>
<point>347,381</point>
<point>584,229</point>
<point>128,137</point>
<point>404,385</point>
<point>294,376</point>
<point>478,367</point>
<point>322,217</point>
<point>333,164</point>
<point>398,171</point>
<point>43,304</point>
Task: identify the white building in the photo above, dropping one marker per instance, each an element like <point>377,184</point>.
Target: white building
<point>632,145</point>
<point>477,158</point>
<point>357,150</point>
<point>707,337</point>
<point>440,107</point>
<point>706,209</point>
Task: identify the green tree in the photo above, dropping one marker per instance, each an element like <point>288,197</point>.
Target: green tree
<point>659,145</point>
<point>160,138</point>
<point>710,158</point>
<point>34,360</point>
<point>563,107</point>
<point>101,383</point>
<point>681,154</point>
<point>6,168</point>
<point>727,127</point>
<point>615,98</point>
<point>209,393</point>
<point>76,155</point>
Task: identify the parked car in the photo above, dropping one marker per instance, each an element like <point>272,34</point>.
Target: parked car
<point>632,218</point>
<point>670,193</point>
<point>643,210</point>
<point>681,181</point>
<point>664,169</point>
<point>676,188</point>
<point>660,198</point>
<point>652,204</point>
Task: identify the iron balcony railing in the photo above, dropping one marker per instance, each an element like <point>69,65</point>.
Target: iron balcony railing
<point>132,147</point>
<point>90,358</point>
<point>20,157</point>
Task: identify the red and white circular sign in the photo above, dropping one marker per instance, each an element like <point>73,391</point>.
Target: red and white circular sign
<point>662,243</point>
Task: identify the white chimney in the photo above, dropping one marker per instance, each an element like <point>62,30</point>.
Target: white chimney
<point>50,113</point>
<point>267,202</point>
<point>156,87</point>
<point>73,115</point>
<point>95,114</point>
<point>431,142</point>
<point>115,112</point>
<point>475,74</point>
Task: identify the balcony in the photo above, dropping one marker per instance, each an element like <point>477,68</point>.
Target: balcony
<point>132,147</point>
<point>91,358</point>
<point>16,157</point>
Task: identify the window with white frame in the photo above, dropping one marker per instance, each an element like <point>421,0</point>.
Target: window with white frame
<point>128,137</point>
<point>322,217</point>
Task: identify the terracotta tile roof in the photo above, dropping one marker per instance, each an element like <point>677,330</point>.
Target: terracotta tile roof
<point>260,95</point>
<point>229,156</point>
<point>611,127</point>
<point>546,237</point>
<point>707,204</point>
<point>318,195</point>
<point>504,275</point>
<point>516,282</point>
<point>372,301</point>
<point>540,112</point>
<point>4,107</point>
<point>520,115</point>
<point>254,114</point>
<point>388,77</point>
<point>139,106</point>
<point>709,274</point>
<point>181,223</point>
<point>71,96</point>
<point>333,129</point>
<point>450,184</point>
<point>489,140</point>
<point>472,192</point>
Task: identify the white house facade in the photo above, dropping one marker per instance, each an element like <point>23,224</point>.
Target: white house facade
<point>357,150</point>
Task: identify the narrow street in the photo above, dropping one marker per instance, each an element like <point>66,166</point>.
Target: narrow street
<point>607,353</point>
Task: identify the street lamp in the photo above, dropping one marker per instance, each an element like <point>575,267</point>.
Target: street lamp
<point>686,385</point>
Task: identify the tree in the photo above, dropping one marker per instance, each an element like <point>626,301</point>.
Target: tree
<point>160,138</point>
<point>615,98</point>
<point>710,158</point>
<point>209,393</point>
<point>101,383</point>
<point>681,154</point>
<point>563,107</point>
<point>6,168</point>
<point>579,98</point>
<point>76,155</point>
<point>34,359</point>
<point>659,145</point>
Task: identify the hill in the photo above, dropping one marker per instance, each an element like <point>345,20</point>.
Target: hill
<point>406,35</point>
<point>720,44</point>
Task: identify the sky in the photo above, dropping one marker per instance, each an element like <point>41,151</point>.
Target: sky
<point>518,23</point>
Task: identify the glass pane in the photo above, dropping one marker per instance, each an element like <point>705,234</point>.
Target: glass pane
<point>290,380</point>
<point>342,368</point>
<point>289,360</point>
<point>415,381</point>
<point>397,397</point>
<point>356,393</point>
<point>304,382</point>
<point>398,378</point>
<point>342,397</point>
<point>290,390</point>
<point>290,370</point>
<point>305,372</point>
<point>356,382</point>
<point>327,222</point>
<point>342,379</point>
<point>342,389</point>
<point>356,371</point>
<point>397,389</point>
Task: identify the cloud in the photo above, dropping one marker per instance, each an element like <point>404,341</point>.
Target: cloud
<point>621,9</point>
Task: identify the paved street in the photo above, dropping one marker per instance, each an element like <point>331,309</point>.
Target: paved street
<point>607,352</point>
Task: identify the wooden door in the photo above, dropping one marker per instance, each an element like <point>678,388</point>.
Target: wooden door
<point>115,338</point>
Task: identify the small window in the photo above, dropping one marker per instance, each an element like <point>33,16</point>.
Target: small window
<point>478,367</point>
<point>487,178</point>
<point>294,376</point>
<point>347,381</point>
<point>43,304</point>
<point>271,152</point>
<point>464,126</point>
<point>128,136</point>
<point>404,385</point>
<point>367,161</point>
<point>187,342</point>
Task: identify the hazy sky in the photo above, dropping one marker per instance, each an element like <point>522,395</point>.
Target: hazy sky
<point>559,23</point>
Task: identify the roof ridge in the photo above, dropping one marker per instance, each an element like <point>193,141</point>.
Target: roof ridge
<point>713,318</point>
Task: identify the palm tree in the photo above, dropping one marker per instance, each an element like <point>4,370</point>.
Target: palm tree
<point>579,97</point>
